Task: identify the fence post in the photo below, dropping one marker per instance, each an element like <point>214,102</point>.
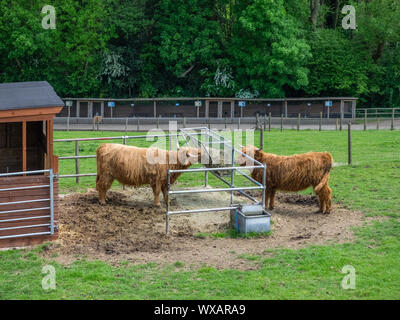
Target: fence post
<point>298,122</point>
<point>226,122</point>
<point>337,124</point>
<point>77,160</point>
<point>262,138</point>
<point>269,121</point>
<point>126,125</point>
<point>349,142</point>
<point>392,124</point>
<point>265,122</point>
<point>320,121</point>
<point>257,121</point>
<point>158,122</point>
<point>238,123</point>
<point>68,123</point>
<point>209,124</point>
<point>281,122</point>
<point>377,120</point>
<point>138,124</point>
<point>184,122</point>
<point>340,123</point>
<point>365,119</point>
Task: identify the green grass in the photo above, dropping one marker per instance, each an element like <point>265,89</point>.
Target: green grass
<point>371,185</point>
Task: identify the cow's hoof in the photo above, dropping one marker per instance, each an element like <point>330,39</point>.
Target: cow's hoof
<point>318,211</point>
<point>102,202</point>
<point>327,212</point>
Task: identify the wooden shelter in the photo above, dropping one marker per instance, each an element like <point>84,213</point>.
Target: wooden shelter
<point>28,190</point>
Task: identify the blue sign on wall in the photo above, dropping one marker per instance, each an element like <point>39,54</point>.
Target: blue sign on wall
<point>177,104</point>
<point>242,104</point>
<point>111,104</point>
<point>328,103</point>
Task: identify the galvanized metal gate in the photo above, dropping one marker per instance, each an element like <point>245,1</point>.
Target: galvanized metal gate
<point>191,135</point>
<point>27,204</point>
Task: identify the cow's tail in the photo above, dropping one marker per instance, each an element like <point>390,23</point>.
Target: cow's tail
<point>322,183</point>
<point>325,177</point>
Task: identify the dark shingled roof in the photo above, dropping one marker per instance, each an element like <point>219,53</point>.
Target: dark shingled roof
<point>23,95</point>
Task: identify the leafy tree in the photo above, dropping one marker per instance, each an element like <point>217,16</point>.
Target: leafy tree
<point>335,68</point>
<point>268,49</point>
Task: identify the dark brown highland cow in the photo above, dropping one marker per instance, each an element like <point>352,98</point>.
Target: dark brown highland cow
<point>293,173</point>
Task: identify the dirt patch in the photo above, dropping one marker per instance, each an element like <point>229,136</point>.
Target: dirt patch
<point>130,228</point>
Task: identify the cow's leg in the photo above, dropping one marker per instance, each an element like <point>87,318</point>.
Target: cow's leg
<point>266,197</point>
<point>156,190</point>
<point>164,191</point>
<point>326,194</point>
<point>103,183</point>
<point>321,202</point>
<point>272,199</point>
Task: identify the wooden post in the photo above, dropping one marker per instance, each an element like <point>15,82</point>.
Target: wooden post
<point>208,123</point>
<point>286,111</point>
<point>90,109</point>
<point>269,121</point>
<point>155,108</point>
<point>50,139</point>
<point>265,123</point>
<point>377,120</point>
<point>126,125</point>
<point>102,109</point>
<point>365,119</point>
<point>69,115</point>
<point>78,107</point>
<point>341,110</point>
<point>349,142</point>
<point>232,109</point>
<point>48,146</point>
<point>77,160</point>
<point>320,121</point>
<point>281,122</point>
<point>138,124</point>
<point>207,111</point>
<point>298,122</point>
<point>340,123</point>
<point>24,146</point>
<point>262,138</point>
<point>392,124</point>
<point>257,120</point>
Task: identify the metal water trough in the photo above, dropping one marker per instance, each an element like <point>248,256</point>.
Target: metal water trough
<point>250,218</point>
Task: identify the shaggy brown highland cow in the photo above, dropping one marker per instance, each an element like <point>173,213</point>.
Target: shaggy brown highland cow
<point>139,166</point>
<point>293,173</point>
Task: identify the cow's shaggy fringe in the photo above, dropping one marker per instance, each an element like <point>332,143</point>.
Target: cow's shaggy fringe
<point>140,166</point>
<point>294,173</point>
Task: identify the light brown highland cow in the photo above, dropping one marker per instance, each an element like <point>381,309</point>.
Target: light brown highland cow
<point>140,166</point>
<point>293,173</point>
